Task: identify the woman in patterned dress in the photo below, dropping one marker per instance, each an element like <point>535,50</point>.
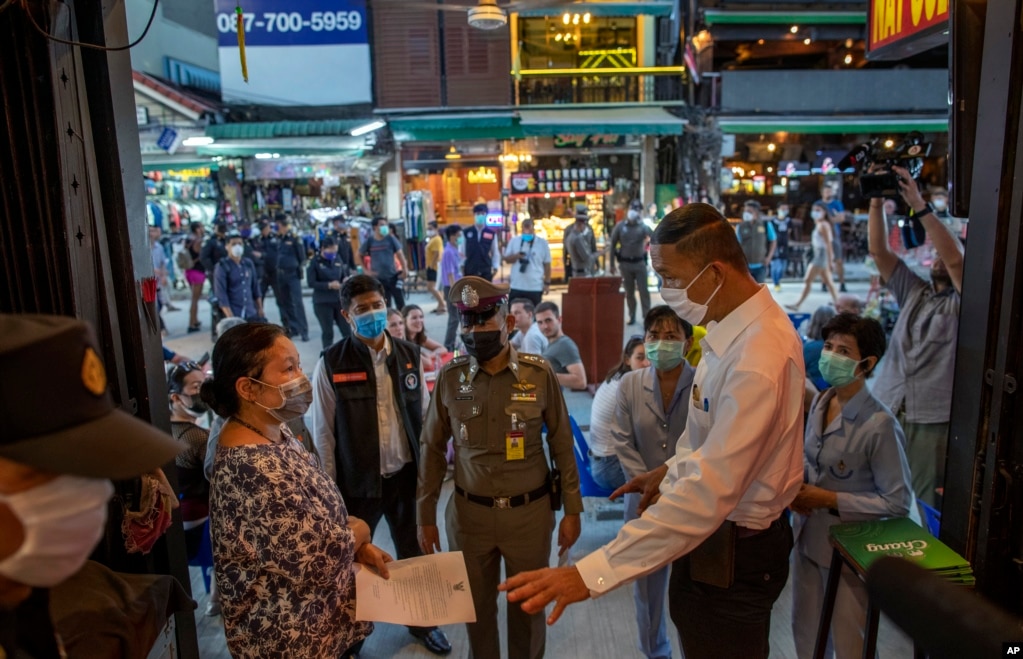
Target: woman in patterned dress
<point>284,546</point>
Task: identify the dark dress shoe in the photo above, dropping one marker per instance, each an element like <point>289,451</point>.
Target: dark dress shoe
<point>305,337</point>
<point>433,638</point>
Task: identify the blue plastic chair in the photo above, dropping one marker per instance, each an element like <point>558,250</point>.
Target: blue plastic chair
<point>932,518</point>
<point>798,319</point>
<point>587,486</point>
<point>204,557</point>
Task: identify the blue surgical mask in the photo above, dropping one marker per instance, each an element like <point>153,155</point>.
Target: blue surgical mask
<point>481,220</point>
<point>245,233</point>
<point>371,324</point>
<point>527,237</point>
<point>664,355</point>
<point>837,370</point>
<point>330,256</point>
<point>384,230</point>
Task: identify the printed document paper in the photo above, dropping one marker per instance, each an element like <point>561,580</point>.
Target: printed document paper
<point>423,592</point>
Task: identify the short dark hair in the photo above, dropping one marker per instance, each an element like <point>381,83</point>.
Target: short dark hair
<point>662,313</point>
<point>526,222</point>
<point>526,303</point>
<point>867,332</point>
<point>701,231</point>
<point>281,217</point>
<point>452,231</point>
<point>432,225</point>
<point>548,306</point>
<point>240,352</point>
<point>753,203</point>
<point>359,285</point>
<point>377,221</point>
<point>328,242</point>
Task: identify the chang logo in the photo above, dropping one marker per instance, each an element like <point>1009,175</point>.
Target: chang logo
<point>912,547</point>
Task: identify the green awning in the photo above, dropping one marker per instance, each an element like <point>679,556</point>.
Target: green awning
<point>727,17</point>
<point>285,146</point>
<point>157,166</point>
<point>609,9</point>
<point>833,125</point>
<point>605,121</point>
<point>270,129</point>
<point>455,126</point>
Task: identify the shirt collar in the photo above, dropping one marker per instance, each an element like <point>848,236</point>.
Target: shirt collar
<point>512,365</point>
<point>386,351</point>
<point>851,409</point>
<point>684,379</point>
<point>722,334</point>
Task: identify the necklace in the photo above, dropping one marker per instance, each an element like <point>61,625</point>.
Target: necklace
<point>255,430</point>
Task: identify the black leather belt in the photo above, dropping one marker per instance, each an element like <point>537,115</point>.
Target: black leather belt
<point>505,502</point>
<point>743,532</point>
<point>638,259</point>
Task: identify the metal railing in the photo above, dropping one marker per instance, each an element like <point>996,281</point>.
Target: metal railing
<point>576,86</point>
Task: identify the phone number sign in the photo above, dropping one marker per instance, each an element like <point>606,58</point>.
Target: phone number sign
<point>293,22</point>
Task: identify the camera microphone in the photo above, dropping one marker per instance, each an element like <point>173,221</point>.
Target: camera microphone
<point>855,158</point>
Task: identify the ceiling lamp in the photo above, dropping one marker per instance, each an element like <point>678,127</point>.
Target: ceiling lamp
<point>453,154</point>
<point>771,147</point>
<point>567,18</point>
<point>586,18</point>
<point>487,16</point>
<point>794,29</point>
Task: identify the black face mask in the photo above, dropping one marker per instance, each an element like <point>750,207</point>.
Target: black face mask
<point>484,346</point>
<point>196,405</point>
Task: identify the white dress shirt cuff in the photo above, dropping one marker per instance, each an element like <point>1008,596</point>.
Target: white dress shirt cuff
<point>597,573</point>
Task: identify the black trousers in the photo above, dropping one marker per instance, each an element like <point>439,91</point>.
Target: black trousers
<point>536,297</point>
<point>393,293</point>
<point>328,314</point>
<point>722,623</point>
<point>397,504</point>
<point>289,289</point>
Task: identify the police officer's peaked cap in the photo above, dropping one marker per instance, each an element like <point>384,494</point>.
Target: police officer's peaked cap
<point>480,208</point>
<point>582,213</point>
<point>477,296</point>
<point>58,414</point>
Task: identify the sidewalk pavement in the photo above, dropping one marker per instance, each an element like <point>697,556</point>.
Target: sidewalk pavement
<point>578,402</point>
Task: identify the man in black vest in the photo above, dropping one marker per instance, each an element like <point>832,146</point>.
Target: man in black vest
<point>482,254</point>
<point>368,408</point>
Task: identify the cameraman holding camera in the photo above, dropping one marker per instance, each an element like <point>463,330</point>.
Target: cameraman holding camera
<point>531,257</point>
<point>915,379</point>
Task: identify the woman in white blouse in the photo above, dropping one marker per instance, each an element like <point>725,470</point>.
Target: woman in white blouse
<point>604,465</point>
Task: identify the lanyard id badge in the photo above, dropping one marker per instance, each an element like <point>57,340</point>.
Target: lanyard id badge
<point>515,441</point>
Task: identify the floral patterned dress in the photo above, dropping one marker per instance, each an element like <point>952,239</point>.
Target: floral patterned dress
<point>282,554</point>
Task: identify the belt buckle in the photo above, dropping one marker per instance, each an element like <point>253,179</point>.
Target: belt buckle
<point>502,502</point>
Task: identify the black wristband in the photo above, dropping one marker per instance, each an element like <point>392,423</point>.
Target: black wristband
<point>926,209</point>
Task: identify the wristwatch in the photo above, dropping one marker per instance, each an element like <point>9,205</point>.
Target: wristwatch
<point>924,211</point>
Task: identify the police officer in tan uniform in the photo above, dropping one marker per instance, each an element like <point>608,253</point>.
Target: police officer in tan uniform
<point>494,402</point>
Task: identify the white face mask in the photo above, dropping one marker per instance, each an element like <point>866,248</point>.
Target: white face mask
<point>939,204</point>
<point>782,213</point>
<point>237,251</point>
<point>747,217</point>
<point>684,308</point>
<point>63,520</point>
<point>817,215</point>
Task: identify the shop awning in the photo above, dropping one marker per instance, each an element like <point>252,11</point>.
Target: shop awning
<point>834,125</point>
<point>614,121</point>
<point>610,9</point>
<point>161,162</point>
<point>272,129</point>
<point>292,146</point>
<point>731,17</point>
<point>455,126</point>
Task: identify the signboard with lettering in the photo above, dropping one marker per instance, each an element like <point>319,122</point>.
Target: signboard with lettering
<point>897,29</point>
<point>293,48</point>
<point>587,141</point>
<point>575,180</point>
<point>482,175</point>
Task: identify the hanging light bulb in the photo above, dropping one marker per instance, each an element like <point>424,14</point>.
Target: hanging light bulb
<point>559,37</point>
<point>848,59</point>
<point>575,20</point>
<point>566,19</point>
<point>586,18</point>
<point>794,29</point>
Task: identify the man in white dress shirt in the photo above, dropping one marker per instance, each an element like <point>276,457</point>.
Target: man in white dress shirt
<point>720,514</point>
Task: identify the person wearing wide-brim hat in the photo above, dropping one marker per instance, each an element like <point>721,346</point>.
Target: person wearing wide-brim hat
<point>495,402</point>
<point>62,442</point>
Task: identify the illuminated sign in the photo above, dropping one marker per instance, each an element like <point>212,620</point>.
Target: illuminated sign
<point>900,28</point>
<point>587,141</point>
<point>291,45</point>
<point>189,173</point>
<point>482,175</point>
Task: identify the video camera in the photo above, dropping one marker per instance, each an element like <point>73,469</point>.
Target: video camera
<point>909,153</point>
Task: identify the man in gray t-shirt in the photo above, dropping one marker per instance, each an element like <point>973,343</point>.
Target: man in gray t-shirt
<point>382,248</point>
<point>561,352</point>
